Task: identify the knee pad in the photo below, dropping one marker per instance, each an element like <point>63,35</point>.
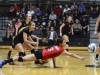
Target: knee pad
<point>20,59</point>
<point>24,54</point>
<point>21,53</point>
<point>67,43</point>
<point>32,51</point>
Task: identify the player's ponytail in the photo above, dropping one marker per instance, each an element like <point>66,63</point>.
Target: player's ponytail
<point>59,41</point>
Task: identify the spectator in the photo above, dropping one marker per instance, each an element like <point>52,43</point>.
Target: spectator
<point>63,19</point>
<point>9,23</point>
<point>39,13</point>
<point>77,28</point>
<point>46,16</point>
<point>58,12</point>
<point>51,37</point>
<point>27,8</point>
<point>24,5</point>
<point>17,22</point>
<point>59,5</point>
<point>11,11</point>
<point>73,6</point>
<point>69,14</point>
<point>94,10</point>
<point>35,10</point>
<point>53,18</point>
<point>76,15</point>
<point>21,17</point>
<point>23,12</point>
<point>65,10</point>
<point>44,25</point>
<point>30,12</point>
<point>16,10</point>
<point>85,26</point>
<point>81,9</point>
<point>40,7</point>
<point>38,32</point>
<point>10,31</point>
<point>35,19</point>
<point>47,9</point>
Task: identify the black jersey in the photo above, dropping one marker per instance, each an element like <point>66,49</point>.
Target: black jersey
<point>20,35</point>
<point>66,28</point>
<point>23,25</point>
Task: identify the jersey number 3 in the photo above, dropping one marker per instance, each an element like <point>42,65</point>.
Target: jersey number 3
<point>50,49</point>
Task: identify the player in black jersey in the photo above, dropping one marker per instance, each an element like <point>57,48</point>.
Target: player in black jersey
<point>20,25</point>
<point>23,39</point>
<point>66,29</point>
<point>97,31</point>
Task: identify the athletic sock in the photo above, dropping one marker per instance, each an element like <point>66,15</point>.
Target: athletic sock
<point>97,55</point>
<point>9,54</point>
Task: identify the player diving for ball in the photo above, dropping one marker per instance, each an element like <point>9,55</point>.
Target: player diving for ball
<point>45,54</point>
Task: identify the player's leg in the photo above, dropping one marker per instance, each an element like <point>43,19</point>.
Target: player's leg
<point>11,48</point>
<point>98,50</point>
<point>30,57</point>
<point>66,38</point>
<point>21,49</point>
<point>9,52</point>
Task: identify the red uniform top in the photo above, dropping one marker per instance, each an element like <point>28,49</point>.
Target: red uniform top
<point>52,52</point>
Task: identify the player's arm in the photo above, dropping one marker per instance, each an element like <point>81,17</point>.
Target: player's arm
<point>19,25</point>
<point>72,55</point>
<point>96,25</point>
<point>27,41</point>
<point>34,36</point>
<point>30,39</point>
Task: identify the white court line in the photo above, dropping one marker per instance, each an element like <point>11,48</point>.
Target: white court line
<point>95,72</point>
<point>25,71</point>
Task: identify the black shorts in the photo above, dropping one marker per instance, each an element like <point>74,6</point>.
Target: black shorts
<point>38,54</point>
<point>63,33</point>
<point>16,41</point>
<point>98,31</point>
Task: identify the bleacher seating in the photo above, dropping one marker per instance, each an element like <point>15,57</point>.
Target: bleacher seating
<point>4,21</point>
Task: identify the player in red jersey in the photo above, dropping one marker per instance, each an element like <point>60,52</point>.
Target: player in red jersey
<point>44,55</point>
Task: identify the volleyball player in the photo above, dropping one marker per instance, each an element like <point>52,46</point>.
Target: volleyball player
<point>97,31</point>
<point>21,39</point>
<point>20,25</point>
<point>66,29</point>
<point>42,55</point>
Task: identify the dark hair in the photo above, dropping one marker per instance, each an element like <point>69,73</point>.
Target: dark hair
<point>59,41</point>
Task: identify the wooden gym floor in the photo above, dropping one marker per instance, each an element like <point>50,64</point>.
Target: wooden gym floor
<point>69,66</point>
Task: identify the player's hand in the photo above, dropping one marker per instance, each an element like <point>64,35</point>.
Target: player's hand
<point>95,32</point>
<point>35,43</point>
<point>82,58</point>
<point>61,34</point>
